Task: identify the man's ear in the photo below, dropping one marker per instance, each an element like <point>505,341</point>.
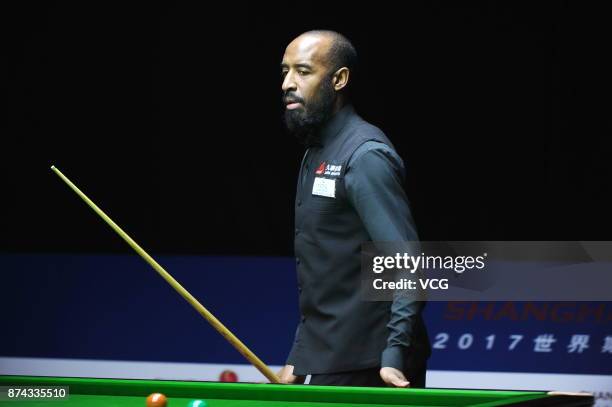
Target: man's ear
<point>341,78</point>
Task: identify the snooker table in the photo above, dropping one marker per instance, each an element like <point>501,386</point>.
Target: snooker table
<point>126,393</point>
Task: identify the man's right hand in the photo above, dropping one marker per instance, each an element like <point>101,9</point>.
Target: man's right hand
<point>286,376</point>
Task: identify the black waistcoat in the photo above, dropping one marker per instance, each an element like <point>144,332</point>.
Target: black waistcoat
<point>338,330</point>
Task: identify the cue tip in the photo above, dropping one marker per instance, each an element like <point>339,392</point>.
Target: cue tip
<point>53,167</point>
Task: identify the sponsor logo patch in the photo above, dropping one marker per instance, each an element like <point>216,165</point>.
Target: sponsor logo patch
<point>332,170</point>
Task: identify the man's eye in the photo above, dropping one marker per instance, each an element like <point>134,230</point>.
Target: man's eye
<point>283,74</point>
<point>303,73</point>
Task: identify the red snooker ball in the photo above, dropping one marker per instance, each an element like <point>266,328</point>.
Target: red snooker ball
<point>228,376</point>
<point>157,400</point>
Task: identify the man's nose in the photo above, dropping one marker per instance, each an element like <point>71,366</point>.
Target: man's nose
<point>289,83</point>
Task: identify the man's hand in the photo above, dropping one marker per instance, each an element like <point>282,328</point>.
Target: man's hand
<point>393,377</point>
<point>286,376</point>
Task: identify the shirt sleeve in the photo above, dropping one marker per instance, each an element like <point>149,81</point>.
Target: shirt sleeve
<point>292,353</point>
<point>374,184</point>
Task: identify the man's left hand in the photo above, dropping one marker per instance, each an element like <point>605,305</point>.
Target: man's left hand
<point>393,377</point>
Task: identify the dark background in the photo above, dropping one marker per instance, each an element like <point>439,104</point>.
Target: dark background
<point>169,119</point>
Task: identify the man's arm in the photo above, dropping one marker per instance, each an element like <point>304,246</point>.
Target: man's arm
<point>286,375</point>
<point>373,180</point>
<point>291,357</point>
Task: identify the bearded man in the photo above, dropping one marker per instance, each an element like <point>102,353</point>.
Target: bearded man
<point>349,191</point>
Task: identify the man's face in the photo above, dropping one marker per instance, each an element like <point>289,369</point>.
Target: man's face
<point>308,94</point>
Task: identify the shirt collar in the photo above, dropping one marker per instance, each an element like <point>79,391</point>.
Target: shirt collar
<point>335,124</point>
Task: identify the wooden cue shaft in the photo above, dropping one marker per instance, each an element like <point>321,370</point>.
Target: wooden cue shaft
<point>226,333</point>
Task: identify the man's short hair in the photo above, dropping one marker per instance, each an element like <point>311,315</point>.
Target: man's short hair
<point>342,52</point>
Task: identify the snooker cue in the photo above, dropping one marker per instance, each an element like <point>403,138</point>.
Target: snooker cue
<point>226,333</point>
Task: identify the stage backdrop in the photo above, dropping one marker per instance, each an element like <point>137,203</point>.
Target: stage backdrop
<point>113,316</point>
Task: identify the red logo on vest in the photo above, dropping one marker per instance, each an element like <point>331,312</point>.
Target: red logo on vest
<point>321,169</point>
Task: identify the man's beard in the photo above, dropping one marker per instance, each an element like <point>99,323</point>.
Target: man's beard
<point>304,122</point>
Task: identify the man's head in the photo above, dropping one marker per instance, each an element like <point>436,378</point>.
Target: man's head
<point>315,70</point>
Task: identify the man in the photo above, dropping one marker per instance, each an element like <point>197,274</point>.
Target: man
<point>349,191</point>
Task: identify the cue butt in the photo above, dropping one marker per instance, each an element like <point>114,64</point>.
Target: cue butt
<point>219,327</point>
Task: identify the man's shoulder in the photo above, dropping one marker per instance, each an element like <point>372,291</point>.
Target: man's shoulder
<point>361,127</point>
<point>369,138</point>
<point>376,150</point>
